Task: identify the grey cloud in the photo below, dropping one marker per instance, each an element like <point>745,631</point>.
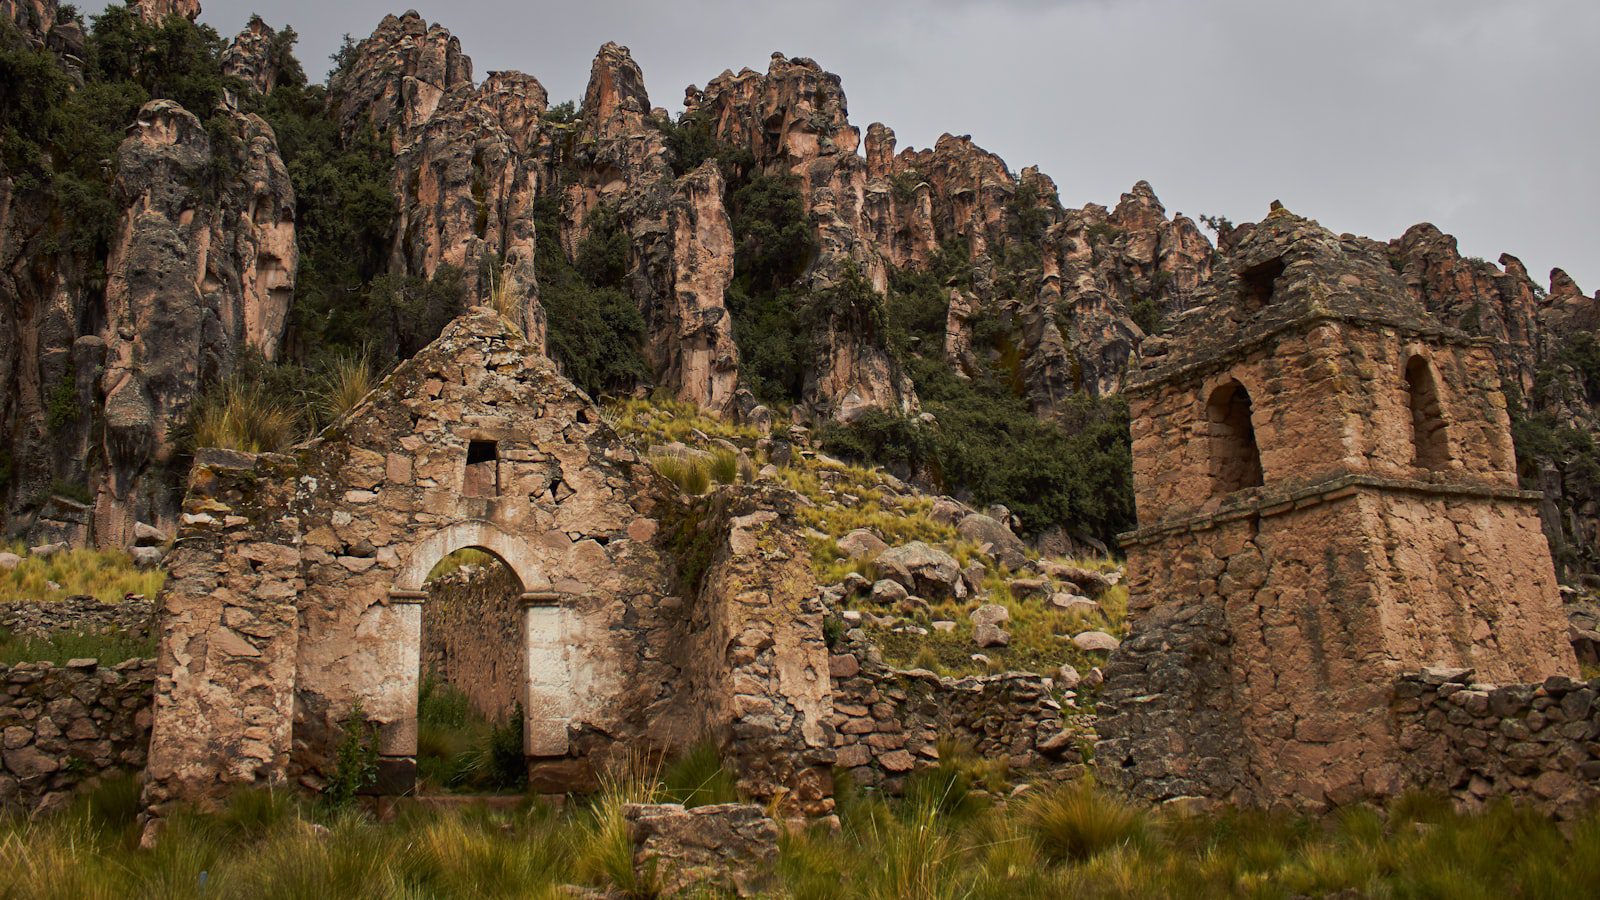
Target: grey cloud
<point>1371,115</point>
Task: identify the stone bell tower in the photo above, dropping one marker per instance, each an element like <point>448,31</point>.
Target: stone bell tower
<point>1327,498</point>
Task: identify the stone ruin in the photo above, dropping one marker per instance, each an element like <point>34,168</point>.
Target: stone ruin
<point>1327,496</point>
<point>297,593</point>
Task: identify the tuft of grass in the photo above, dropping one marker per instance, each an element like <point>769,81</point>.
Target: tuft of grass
<point>343,384</point>
<point>458,749</point>
<point>691,475</point>
<point>241,415</point>
<point>723,466</point>
<point>109,648</point>
<point>106,575</point>
<point>698,778</point>
<point>1074,823</point>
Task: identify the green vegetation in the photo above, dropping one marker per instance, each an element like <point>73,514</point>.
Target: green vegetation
<point>244,415</point>
<point>772,322</point>
<point>943,841</point>
<point>595,330</point>
<point>109,647</point>
<point>459,749</point>
<point>106,575</point>
<point>698,778</point>
<point>355,760</point>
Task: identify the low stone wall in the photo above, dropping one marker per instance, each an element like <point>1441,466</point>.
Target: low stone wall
<point>77,613</point>
<point>1533,743</point>
<point>887,722</point>
<point>63,725</point>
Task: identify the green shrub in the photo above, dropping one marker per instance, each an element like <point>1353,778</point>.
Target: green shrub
<point>595,329</point>
<point>355,760</point>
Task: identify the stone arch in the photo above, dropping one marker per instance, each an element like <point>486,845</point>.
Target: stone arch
<point>475,534</point>
<point>1430,437</point>
<point>1235,458</point>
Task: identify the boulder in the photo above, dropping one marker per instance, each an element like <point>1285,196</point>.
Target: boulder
<point>995,539</point>
<point>9,561</point>
<point>720,849</point>
<point>1094,679</point>
<point>862,544</point>
<point>1095,583</point>
<point>1024,587</point>
<point>1093,641</point>
<point>923,570</point>
<point>148,535</point>
<point>946,511</point>
<point>1067,678</point>
<point>888,592</point>
<point>990,635</point>
<point>147,557</point>
<point>990,614</point>
<point>45,551</point>
<point>1074,603</point>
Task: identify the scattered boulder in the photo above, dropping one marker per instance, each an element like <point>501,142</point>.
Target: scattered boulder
<point>145,535</point>
<point>853,583</point>
<point>923,570</point>
<point>989,614</point>
<point>946,511</point>
<point>1023,587</point>
<point>1068,678</point>
<point>944,626</point>
<point>974,575</point>
<point>1094,583</point>
<point>147,557</point>
<point>991,635</point>
<point>723,848</point>
<point>888,592</point>
<point>1073,603</point>
<point>9,561</point>
<point>1094,679</point>
<point>912,605</point>
<point>1092,641</point>
<point>45,551</point>
<point>995,539</point>
<point>862,544</point>
<point>1056,744</point>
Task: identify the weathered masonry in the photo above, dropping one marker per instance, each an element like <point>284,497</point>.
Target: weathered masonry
<point>297,583</point>
<point>1326,490</point>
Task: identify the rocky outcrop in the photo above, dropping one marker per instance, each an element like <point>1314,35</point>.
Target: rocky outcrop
<point>794,121</point>
<point>254,57</point>
<point>157,11</point>
<point>464,184</point>
<point>193,278</point>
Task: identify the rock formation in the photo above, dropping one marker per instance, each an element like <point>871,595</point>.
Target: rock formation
<point>464,185</point>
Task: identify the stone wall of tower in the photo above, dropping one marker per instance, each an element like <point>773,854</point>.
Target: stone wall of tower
<point>1293,607</point>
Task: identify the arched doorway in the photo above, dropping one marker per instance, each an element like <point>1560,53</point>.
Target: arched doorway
<point>471,684</point>
<point>497,645</point>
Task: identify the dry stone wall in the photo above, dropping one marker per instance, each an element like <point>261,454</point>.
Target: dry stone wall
<point>78,613</point>
<point>888,722</point>
<point>1537,743</point>
<point>64,726</point>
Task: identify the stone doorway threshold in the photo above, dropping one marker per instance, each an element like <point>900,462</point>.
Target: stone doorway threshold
<point>390,807</point>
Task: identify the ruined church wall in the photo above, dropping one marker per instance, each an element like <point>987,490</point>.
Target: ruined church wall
<point>754,656</point>
<point>1327,402</point>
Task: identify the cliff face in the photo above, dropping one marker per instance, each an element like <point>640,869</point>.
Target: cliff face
<point>104,356</point>
<point>99,369</point>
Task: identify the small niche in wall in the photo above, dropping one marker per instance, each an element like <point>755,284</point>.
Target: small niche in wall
<point>1259,283</point>
<point>483,470</point>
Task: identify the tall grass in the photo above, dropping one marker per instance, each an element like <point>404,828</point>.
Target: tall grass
<point>109,647</point>
<point>343,383</point>
<point>274,844</point>
<point>690,474</point>
<point>243,415</point>
<point>107,575</point>
<point>458,749</point>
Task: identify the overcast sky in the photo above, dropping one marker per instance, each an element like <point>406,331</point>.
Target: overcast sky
<point>1481,116</point>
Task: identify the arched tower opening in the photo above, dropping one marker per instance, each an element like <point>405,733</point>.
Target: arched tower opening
<point>1235,458</point>
<point>1429,436</point>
